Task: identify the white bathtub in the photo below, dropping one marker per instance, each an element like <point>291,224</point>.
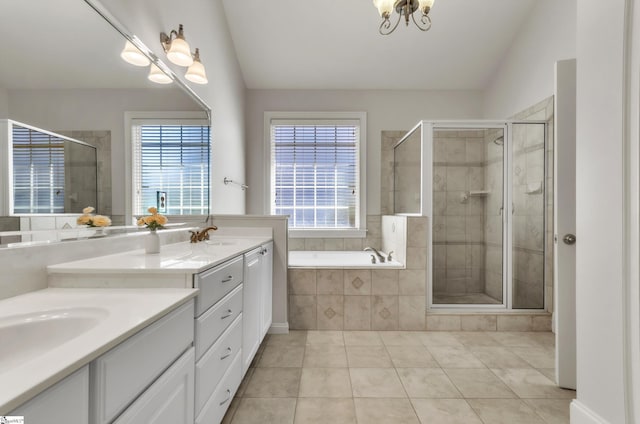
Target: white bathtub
<point>338,259</point>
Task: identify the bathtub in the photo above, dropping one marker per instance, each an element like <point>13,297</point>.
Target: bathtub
<point>338,259</point>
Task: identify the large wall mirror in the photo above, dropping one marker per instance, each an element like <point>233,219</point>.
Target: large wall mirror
<point>61,71</point>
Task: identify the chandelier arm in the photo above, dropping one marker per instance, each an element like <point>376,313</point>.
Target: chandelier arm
<point>386,24</point>
<point>425,22</point>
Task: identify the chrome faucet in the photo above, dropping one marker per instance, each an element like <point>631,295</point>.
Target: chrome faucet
<point>378,254</point>
<point>201,235</point>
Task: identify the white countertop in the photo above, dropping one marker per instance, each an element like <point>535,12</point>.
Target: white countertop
<point>119,314</point>
<point>178,258</point>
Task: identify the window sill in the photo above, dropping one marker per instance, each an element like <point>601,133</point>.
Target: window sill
<point>307,233</point>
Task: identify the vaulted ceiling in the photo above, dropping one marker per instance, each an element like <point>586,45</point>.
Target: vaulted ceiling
<point>335,44</point>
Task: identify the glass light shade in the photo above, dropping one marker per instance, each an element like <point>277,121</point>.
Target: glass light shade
<point>385,7</point>
<point>196,73</point>
<point>426,4</point>
<point>132,55</point>
<point>180,52</point>
<point>156,75</point>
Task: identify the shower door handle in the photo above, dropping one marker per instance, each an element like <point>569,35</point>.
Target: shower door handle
<point>569,239</point>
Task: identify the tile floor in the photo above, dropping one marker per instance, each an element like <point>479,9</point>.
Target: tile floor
<point>397,377</point>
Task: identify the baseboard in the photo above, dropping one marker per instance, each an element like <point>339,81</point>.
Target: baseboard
<point>279,328</point>
<point>581,414</point>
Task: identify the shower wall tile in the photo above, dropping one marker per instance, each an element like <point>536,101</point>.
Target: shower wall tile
<point>412,282</point>
<point>336,244</point>
<point>411,312</point>
<point>330,281</point>
<point>416,257</point>
<point>296,244</point>
<point>478,323</point>
<point>313,244</point>
<point>443,323</point>
<point>357,281</point>
<point>351,244</point>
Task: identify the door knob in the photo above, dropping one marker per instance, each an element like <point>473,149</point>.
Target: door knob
<point>569,239</point>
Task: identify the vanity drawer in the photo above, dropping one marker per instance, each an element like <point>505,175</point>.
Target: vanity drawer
<point>217,282</point>
<point>120,375</point>
<point>211,324</point>
<point>218,403</point>
<point>213,364</point>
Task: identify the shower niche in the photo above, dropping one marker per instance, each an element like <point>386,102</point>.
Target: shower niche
<point>482,185</point>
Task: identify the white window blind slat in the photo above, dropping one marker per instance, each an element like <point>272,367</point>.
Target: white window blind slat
<point>315,173</point>
<point>172,158</point>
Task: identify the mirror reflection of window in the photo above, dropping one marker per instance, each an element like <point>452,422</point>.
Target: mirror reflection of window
<point>171,166</point>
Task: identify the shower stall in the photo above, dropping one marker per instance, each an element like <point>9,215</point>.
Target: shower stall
<point>483,186</point>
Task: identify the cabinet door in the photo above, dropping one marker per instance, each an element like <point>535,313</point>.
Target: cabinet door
<point>66,402</point>
<point>266,285</point>
<point>251,313</point>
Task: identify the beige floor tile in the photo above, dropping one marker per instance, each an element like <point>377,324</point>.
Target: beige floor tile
<point>553,411</point>
<point>401,338</point>
<point>498,357</point>
<point>323,411</point>
<point>282,356</point>
<point>325,356</point>
<point>445,411</point>
<point>411,357</point>
<point>537,357</point>
<point>325,382</point>
<point>550,373</point>
<point>515,338</point>
<point>294,338</point>
<point>479,383</point>
<point>504,411</point>
<point>439,338</point>
<point>362,338</point>
<point>265,411</point>
<point>529,383</point>
<point>376,382</point>
<point>274,382</point>
<point>476,338</point>
<point>325,338</point>
<point>245,382</point>
<point>544,338</point>
<point>233,407</point>
<point>455,357</point>
<point>427,383</point>
<point>385,411</point>
<point>368,357</point>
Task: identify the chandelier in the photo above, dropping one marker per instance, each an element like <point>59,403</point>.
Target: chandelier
<point>407,9</point>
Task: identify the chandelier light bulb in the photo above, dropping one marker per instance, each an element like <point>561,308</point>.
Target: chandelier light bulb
<point>196,72</point>
<point>385,7</point>
<point>426,5</point>
<point>132,55</point>
<point>180,52</point>
<point>156,75</point>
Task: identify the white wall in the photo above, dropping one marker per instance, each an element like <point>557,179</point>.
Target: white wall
<point>4,103</point>
<point>600,209</point>
<point>526,74</point>
<point>95,110</point>
<point>206,28</point>
<point>386,110</point>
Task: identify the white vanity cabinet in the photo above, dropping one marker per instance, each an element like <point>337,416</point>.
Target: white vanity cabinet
<point>65,402</point>
<point>258,265</point>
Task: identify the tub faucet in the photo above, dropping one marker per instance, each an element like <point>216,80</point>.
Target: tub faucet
<point>378,254</point>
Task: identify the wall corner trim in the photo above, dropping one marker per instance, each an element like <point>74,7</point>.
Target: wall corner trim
<point>279,328</point>
<point>581,414</point>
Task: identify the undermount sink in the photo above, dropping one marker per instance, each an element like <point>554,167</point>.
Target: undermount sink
<point>27,336</point>
<point>219,243</point>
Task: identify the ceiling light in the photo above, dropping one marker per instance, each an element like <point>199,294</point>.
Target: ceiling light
<point>407,9</point>
<point>196,72</point>
<point>156,75</point>
<point>132,55</point>
<point>177,49</point>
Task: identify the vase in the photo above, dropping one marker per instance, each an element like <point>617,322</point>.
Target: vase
<point>152,243</point>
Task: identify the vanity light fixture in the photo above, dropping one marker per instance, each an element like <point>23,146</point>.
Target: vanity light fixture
<point>156,75</point>
<point>407,9</point>
<point>196,72</point>
<point>132,55</point>
<point>177,49</point>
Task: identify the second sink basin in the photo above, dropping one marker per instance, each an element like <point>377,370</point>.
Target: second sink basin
<point>29,335</point>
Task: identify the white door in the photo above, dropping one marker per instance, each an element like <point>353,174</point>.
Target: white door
<point>565,219</point>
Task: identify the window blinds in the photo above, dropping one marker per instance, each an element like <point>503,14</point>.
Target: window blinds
<point>174,159</point>
<point>38,172</point>
<point>315,173</point>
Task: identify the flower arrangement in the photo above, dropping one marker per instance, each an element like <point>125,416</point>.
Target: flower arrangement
<point>89,219</point>
<point>155,221</point>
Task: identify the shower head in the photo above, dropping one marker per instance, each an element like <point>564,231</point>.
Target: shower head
<point>499,141</point>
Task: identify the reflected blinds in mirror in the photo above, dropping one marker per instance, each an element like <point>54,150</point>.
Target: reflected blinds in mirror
<point>315,173</point>
<point>172,159</point>
<point>38,172</point>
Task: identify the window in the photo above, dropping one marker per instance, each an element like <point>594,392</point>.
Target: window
<point>38,171</point>
<point>316,170</point>
<point>170,166</point>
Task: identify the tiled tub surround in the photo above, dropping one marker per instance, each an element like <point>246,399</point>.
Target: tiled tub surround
<point>364,299</point>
